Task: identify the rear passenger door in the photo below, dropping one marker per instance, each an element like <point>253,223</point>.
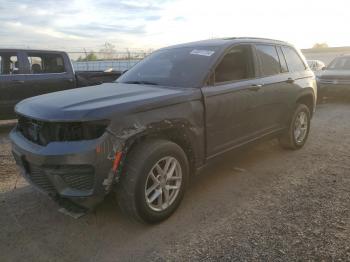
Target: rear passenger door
<point>47,73</point>
<point>276,89</point>
<point>11,82</point>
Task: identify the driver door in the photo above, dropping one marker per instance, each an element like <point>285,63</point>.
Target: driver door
<point>231,100</point>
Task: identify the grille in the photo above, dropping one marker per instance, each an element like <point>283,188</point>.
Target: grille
<point>80,180</point>
<point>79,177</point>
<point>335,81</point>
<point>39,178</point>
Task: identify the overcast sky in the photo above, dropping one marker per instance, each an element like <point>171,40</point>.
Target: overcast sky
<point>77,24</point>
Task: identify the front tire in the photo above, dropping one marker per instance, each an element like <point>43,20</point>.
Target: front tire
<point>154,181</point>
<point>297,133</point>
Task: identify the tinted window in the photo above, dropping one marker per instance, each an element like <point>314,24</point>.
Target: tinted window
<point>46,63</point>
<point>294,62</point>
<point>283,62</point>
<point>9,64</point>
<point>177,67</point>
<point>341,63</point>
<point>269,60</point>
<point>36,64</point>
<point>312,64</point>
<point>237,64</point>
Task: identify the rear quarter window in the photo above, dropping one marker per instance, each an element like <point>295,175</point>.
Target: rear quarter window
<point>294,61</point>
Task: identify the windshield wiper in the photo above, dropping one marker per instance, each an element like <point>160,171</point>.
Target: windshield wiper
<point>140,83</point>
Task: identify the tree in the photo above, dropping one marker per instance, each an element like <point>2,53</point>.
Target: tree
<point>80,59</point>
<point>108,51</point>
<point>320,45</point>
<point>89,57</point>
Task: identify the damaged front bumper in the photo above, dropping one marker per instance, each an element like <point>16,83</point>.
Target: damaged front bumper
<point>80,172</point>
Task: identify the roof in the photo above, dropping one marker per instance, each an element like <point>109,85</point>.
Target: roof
<point>227,41</point>
<point>29,50</point>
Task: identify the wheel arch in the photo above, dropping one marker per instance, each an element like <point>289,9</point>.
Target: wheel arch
<point>179,132</point>
<point>307,98</point>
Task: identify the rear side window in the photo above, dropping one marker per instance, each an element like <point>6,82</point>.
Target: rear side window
<point>284,67</point>
<point>236,65</point>
<point>269,61</point>
<point>294,62</point>
<point>9,64</point>
<point>45,63</point>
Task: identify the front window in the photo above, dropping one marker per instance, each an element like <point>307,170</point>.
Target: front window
<point>176,67</point>
<point>236,65</point>
<point>340,63</point>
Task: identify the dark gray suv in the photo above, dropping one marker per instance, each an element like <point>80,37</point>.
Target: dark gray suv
<point>334,80</point>
<point>145,135</point>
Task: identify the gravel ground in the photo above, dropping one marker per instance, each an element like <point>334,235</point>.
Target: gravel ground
<point>258,204</point>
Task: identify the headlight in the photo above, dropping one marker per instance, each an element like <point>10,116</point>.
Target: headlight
<point>80,130</point>
<point>43,132</point>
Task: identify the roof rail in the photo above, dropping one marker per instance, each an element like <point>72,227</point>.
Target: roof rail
<point>254,38</point>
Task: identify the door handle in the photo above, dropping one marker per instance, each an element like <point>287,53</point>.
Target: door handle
<point>290,80</point>
<point>255,87</point>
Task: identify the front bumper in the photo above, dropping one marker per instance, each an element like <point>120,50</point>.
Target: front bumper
<point>73,171</point>
<point>335,90</point>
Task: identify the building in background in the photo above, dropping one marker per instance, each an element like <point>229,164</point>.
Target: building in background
<point>325,54</point>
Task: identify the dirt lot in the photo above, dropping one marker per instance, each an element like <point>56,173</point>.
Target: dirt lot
<point>263,204</point>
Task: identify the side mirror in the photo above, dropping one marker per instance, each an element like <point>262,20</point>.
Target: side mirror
<point>323,68</point>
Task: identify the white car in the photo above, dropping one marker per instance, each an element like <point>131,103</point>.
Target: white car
<point>316,65</point>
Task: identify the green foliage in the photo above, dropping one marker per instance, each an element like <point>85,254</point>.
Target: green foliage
<point>89,57</point>
<point>320,45</point>
<point>108,51</point>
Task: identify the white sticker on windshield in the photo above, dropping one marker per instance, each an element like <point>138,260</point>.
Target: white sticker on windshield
<point>202,52</point>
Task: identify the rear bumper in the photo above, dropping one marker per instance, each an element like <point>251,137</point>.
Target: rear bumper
<point>65,170</point>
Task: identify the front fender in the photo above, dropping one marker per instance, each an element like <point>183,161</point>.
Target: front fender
<point>184,119</point>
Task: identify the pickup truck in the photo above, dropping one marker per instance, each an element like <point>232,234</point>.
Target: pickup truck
<point>162,122</point>
<point>27,73</point>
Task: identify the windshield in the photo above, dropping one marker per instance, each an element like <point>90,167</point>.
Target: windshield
<point>340,63</point>
<point>177,67</point>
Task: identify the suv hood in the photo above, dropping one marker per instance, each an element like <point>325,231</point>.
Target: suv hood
<point>335,74</point>
<point>101,102</point>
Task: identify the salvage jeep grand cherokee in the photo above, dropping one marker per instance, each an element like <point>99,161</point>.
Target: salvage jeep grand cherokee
<point>164,119</point>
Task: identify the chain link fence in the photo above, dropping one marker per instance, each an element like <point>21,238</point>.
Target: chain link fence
<point>105,61</point>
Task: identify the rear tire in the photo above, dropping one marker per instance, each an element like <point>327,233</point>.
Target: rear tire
<point>297,133</point>
<point>145,178</point>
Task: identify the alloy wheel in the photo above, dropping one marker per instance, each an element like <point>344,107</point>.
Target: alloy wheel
<point>163,183</point>
<point>301,127</point>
